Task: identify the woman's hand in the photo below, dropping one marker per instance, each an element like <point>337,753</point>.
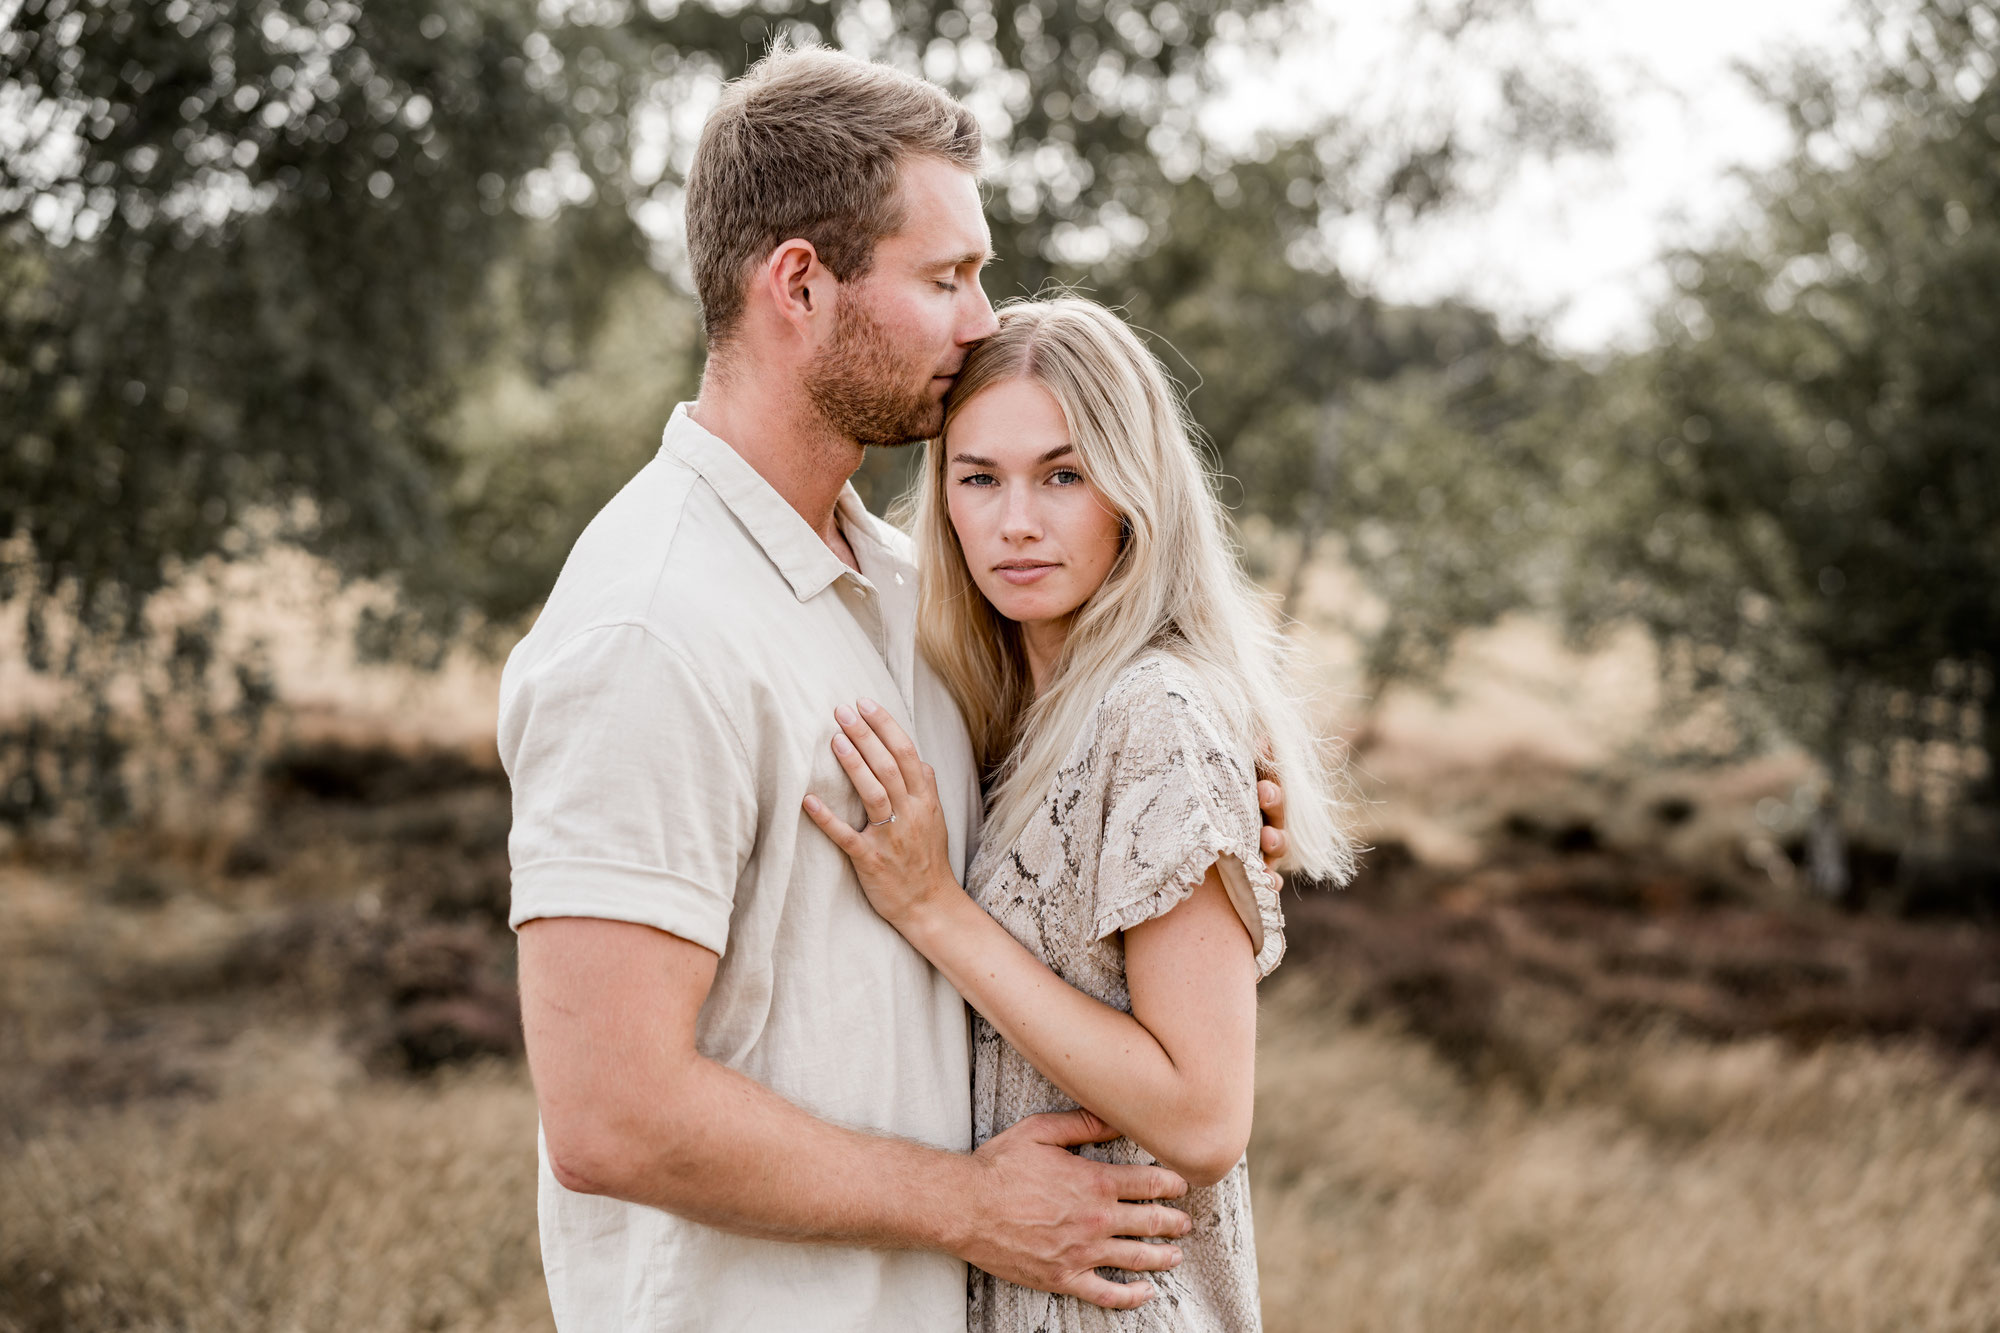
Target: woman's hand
<point>902,856</point>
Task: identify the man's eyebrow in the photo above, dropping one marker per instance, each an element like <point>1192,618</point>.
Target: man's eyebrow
<point>977,258</point>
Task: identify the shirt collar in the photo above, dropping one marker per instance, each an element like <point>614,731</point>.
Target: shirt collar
<point>879,545</point>
<point>787,539</point>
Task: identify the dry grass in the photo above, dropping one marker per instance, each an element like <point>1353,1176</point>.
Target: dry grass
<point>307,1197</point>
<point>1659,1186</point>
<point>273,1086</point>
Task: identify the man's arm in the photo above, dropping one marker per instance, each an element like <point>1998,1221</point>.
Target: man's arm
<point>631,1110</point>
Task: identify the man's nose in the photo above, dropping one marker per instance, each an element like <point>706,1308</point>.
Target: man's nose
<point>980,323</point>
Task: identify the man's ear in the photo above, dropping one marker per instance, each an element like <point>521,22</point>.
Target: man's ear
<point>801,289</point>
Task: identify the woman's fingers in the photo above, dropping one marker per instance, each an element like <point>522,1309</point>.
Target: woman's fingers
<point>862,736</point>
<point>899,745</point>
<point>833,825</point>
<point>874,797</point>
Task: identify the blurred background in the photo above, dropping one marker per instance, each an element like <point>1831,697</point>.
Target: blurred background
<point>1609,392</point>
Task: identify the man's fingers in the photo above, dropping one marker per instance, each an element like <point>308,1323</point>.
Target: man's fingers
<point>1145,1182</point>
<point>863,738</point>
<point>1111,1295</point>
<point>1148,1219</point>
<point>1066,1129</point>
<point>1136,1256</point>
<point>874,799</point>
<point>1271,801</point>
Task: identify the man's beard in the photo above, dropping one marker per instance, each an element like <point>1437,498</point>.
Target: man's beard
<point>857,384</point>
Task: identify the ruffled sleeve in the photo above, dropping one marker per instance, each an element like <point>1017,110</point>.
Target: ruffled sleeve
<point>1179,798</point>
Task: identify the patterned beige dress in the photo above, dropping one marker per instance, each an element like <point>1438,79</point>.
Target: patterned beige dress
<point>1151,795</point>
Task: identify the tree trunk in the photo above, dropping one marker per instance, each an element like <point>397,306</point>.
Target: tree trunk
<point>1826,850</point>
<point>1312,515</point>
<point>1826,836</point>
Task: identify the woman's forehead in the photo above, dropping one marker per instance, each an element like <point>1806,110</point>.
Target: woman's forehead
<point>1016,421</point>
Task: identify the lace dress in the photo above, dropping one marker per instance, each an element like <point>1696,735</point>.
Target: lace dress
<point>1151,795</point>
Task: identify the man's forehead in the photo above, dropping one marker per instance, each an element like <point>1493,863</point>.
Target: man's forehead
<point>944,219</point>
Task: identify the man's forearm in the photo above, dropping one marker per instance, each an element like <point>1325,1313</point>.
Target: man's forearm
<point>721,1149</point>
<point>631,1110</point>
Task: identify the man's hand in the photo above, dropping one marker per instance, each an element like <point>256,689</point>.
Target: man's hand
<point>1271,800</point>
<point>1050,1218</point>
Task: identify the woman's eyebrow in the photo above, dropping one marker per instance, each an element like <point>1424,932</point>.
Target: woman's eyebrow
<point>974,460</point>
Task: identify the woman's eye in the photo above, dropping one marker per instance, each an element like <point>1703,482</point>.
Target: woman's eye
<point>1065,476</point>
<point>976,479</point>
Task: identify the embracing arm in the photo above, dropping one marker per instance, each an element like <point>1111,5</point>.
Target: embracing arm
<point>631,1110</point>
<point>1175,1075</point>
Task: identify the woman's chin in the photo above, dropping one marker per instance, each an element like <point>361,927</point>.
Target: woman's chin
<point>1029,606</point>
<point>1028,617</point>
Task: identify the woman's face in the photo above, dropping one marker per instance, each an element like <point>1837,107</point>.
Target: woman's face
<point>1038,538</point>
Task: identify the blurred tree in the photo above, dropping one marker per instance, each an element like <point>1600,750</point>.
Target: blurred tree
<point>1428,441</point>
<point>256,251</point>
<point>248,249</point>
<point>254,246</point>
<point>1807,511</point>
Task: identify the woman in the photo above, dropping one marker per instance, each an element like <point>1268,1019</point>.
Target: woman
<point>1116,668</point>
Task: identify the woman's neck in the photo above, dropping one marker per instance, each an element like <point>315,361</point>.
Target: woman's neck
<point>1042,642</point>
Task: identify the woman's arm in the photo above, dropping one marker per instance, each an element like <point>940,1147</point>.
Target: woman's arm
<point>1175,1075</point>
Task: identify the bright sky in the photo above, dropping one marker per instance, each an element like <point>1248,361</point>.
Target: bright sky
<point>1571,247</point>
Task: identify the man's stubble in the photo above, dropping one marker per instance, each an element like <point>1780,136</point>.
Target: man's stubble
<point>859,384</point>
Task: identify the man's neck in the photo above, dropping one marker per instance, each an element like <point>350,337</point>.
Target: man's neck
<point>777,432</point>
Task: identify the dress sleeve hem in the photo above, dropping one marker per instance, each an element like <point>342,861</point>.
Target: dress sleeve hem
<point>1180,883</point>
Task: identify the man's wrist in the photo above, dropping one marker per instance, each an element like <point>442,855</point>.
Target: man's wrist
<point>957,1201</point>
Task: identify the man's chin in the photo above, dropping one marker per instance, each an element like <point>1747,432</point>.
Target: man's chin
<point>913,431</point>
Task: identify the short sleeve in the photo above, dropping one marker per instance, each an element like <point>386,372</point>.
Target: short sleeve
<point>633,796</point>
<point>1179,798</point>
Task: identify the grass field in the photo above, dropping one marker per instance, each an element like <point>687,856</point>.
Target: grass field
<point>271,1082</point>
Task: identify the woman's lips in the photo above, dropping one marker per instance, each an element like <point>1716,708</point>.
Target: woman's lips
<point>1019,574</point>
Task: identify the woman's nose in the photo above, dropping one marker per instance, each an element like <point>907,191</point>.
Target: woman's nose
<point>1019,520</point>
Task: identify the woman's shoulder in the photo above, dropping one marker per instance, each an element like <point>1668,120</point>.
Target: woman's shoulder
<point>1157,689</point>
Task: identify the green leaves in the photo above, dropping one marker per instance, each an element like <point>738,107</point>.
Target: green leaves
<point>1815,539</point>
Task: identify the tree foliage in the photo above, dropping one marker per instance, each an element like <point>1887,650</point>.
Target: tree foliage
<point>250,248</point>
<point>268,266</point>
<point>1808,512</point>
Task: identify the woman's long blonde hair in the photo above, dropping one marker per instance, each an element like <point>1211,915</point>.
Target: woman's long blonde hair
<point>1176,585</point>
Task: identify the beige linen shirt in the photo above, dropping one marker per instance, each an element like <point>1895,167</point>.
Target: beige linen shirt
<point>661,724</point>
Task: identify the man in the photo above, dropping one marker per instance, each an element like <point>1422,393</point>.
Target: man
<point>754,1094</point>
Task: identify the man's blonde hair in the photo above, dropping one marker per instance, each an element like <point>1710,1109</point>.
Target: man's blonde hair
<point>1175,586</point>
<point>807,144</point>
